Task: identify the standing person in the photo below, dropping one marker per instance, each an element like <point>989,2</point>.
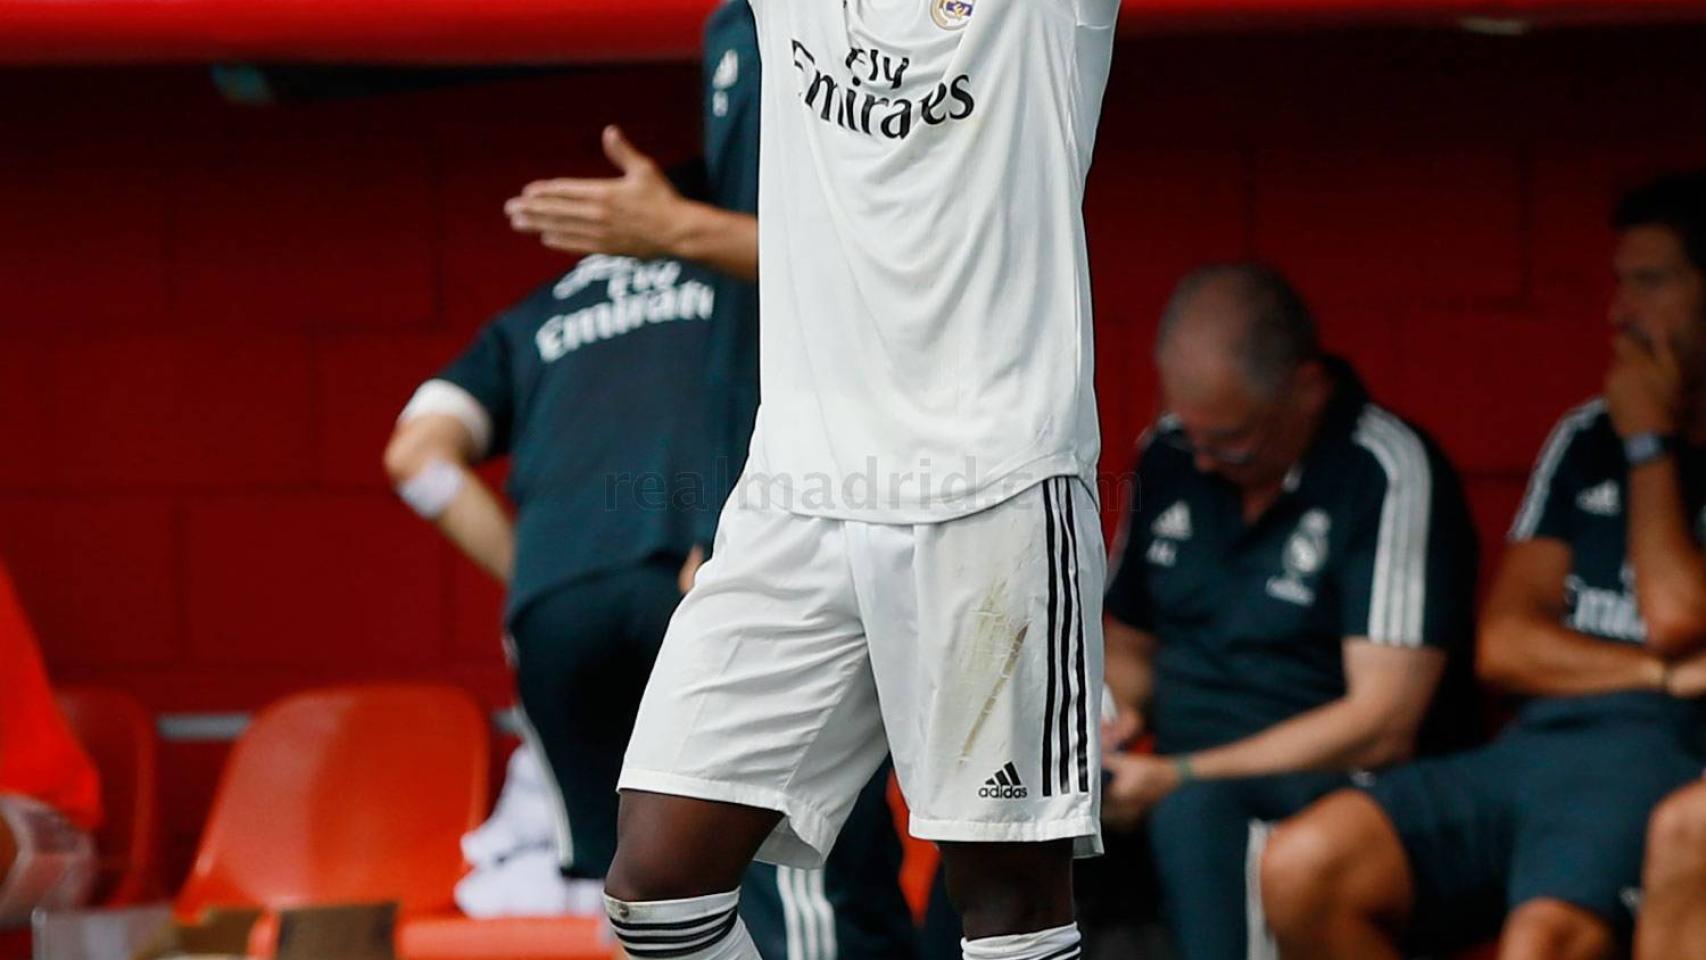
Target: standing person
<point>913,554</point>
<point>1598,617</point>
<point>1290,584</point>
<point>853,908</point>
<point>50,796</point>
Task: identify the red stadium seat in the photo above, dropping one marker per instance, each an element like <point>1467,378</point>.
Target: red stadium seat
<point>351,794</point>
<point>361,794</point>
<point>118,734</point>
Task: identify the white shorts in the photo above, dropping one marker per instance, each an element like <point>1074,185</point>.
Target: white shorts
<point>975,643</point>
<point>55,865</point>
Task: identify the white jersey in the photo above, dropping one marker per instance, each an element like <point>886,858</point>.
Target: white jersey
<point>926,344</point>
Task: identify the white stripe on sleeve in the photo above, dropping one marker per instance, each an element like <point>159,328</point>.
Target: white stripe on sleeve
<point>444,397</point>
<point>1551,454</point>
<point>1398,591</point>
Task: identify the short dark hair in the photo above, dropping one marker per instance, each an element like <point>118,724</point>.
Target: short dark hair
<point>1281,335</point>
<point>1676,201</point>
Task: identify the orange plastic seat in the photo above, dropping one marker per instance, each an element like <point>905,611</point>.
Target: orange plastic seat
<point>349,794</point>
<point>514,938</point>
<point>118,734</point>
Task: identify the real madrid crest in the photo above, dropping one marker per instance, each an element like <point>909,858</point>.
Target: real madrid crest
<point>950,14</point>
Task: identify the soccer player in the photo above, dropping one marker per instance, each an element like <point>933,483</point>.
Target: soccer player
<point>852,909</point>
<point>1297,569</point>
<point>1598,615</point>
<point>912,559</point>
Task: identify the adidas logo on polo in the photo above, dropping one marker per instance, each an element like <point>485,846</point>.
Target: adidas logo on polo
<point>1601,501</point>
<point>1174,522</point>
<point>1004,785</point>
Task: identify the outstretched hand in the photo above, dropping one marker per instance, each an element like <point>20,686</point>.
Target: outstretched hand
<point>632,215</point>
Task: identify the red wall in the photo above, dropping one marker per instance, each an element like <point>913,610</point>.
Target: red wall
<point>209,314</point>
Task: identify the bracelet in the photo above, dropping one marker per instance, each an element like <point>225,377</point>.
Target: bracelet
<point>1187,773</point>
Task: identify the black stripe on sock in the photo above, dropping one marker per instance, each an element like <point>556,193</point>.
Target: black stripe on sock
<point>701,942</point>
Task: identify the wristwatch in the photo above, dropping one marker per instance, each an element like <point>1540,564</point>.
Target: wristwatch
<point>1643,448</point>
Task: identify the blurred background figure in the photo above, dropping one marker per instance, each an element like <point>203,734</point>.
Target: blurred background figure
<point>50,799</point>
<point>1598,618</point>
<point>1298,568</point>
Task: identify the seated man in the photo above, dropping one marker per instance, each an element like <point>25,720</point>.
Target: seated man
<point>1295,566</point>
<point>50,799</point>
<point>1599,602</point>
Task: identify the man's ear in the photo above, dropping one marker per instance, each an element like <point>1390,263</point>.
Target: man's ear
<point>1313,385</point>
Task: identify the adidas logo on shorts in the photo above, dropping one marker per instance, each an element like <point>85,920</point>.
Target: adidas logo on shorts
<point>1004,785</point>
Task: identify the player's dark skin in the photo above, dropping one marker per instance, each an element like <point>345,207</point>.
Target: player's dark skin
<point>675,848</point>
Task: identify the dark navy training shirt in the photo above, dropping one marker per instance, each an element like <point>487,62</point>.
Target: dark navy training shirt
<point>1579,494</point>
<point>731,77</point>
<point>592,385</point>
<point>1370,538</point>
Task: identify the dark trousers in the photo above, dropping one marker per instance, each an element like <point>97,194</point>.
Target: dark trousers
<point>1206,840</point>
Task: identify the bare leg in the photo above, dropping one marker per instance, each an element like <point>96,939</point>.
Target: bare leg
<point>1554,930</point>
<point>673,848</point>
<point>1673,913</point>
<point>1009,888</point>
<point>1336,882</point>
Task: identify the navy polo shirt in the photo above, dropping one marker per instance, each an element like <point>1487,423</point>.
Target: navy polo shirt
<point>1579,494</point>
<point>592,386</point>
<point>731,114</point>
<point>1370,538</point>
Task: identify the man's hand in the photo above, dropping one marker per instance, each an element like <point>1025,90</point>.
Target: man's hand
<point>690,569</point>
<point>1643,388</point>
<point>1140,781</point>
<point>1687,678</point>
<point>633,215</point>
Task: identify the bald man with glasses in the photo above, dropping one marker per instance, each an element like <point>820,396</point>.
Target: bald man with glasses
<point>1295,568</point>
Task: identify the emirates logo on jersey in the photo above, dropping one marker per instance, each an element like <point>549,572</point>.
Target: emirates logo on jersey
<point>950,14</point>
<point>865,94</point>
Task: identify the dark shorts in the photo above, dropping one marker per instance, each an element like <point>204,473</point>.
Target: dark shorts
<point>1556,808</point>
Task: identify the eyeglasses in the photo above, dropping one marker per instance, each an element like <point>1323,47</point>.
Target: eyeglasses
<point>1241,451</point>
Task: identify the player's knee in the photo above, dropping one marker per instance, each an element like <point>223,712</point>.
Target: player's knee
<point>1006,889</point>
<point>1554,930</point>
<point>1300,869</point>
<point>641,873</point>
<point>1676,834</point>
<point>1333,858</point>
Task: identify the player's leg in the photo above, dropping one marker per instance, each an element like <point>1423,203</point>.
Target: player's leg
<point>1673,908</point>
<point>1335,882</point>
<point>986,645</point>
<point>757,729</point>
<point>1548,929</point>
<point>580,671</point>
<point>1207,840</point>
<point>1592,784</point>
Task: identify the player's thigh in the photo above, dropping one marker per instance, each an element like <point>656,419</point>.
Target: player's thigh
<point>1676,834</point>
<point>762,695</point>
<point>987,650</point>
<point>1454,817</point>
<point>677,847</point>
<point>1583,819</point>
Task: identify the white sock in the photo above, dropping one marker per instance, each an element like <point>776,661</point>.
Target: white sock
<point>700,928</point>
<point>1059,943</point>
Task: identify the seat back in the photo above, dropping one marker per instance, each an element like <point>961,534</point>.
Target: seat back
<point>346,794</point>
<point>118,734</point>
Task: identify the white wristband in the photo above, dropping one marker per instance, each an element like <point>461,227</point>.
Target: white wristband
<point>431,491</point>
